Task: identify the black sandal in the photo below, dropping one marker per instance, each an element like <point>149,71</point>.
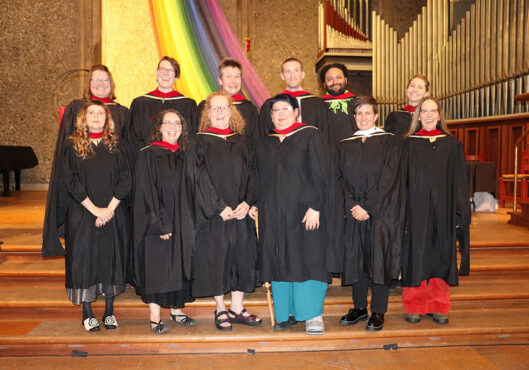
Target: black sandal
<point>160,327</point>
<point>185,321</point>
<point>239,318</point>
<point>219,322</point>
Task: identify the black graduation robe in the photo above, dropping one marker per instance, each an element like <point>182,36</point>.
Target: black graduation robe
<point>313,111</point>
<point>292,177</point>
<point>218,175</point>
<point>96,255</point>
<point>159,208</point>
<point>248,111</point>
<point>437,202</point>
<point>369,170</point>
<point>145,109</point>
<point>55,212</point>
<point>398,122</point>
<point>340,116</point>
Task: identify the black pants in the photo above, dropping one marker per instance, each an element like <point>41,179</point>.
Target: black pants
<point>379,295</point>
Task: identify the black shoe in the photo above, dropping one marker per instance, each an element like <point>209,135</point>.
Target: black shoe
<point>376,322</point>
<point>110,322</point>
<point>183,320</point>
<point>353,316</point>
<point>440,318</point>
<point>283,325</point>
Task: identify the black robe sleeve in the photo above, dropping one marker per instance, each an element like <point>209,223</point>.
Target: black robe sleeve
<point>265,119</point>
<point>206,201</point>
<point>55,212</point>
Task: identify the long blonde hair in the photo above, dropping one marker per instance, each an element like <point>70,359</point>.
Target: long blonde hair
<point>81,137</point>
<point>416,124</point>
<point>236,123</point>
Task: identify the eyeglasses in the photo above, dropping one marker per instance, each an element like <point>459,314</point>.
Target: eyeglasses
<point>172,123</point>
<point>427,112</point>
<point>168,70</point>
<point>102,80</point>
<point>278,110</point>
<point>219,108</point>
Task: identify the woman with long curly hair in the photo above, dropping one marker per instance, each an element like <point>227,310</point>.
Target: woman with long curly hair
<point>218,174</point>
<point>99,86</point>
<point>97,179</point>
<point>161,220</point>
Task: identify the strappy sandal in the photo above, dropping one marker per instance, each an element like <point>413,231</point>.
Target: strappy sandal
<point>184,321</point>
<point>160,327</point>
<point>219,322</point>
<point>239,318</point>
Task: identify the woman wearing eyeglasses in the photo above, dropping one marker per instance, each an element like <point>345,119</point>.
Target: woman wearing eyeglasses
<point>292,176</point>
<point>438,203</point>
<point>161,219</point>
<point>144,110</point>
<point>218,179</point>
<point>101,87</point>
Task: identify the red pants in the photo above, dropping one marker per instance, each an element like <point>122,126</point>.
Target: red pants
<point>431,296</point>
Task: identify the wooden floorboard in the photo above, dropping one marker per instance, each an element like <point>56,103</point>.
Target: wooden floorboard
<point>469,357</point>
<point>489,308</point>
<point>465,328</point>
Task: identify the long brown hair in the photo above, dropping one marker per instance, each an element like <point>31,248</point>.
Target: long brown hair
<point>81,137</point>
<point>100,67</point>
<point>156,133</point>
<point>422,77</point>
<point>236,123</point>
<point>416,124</point>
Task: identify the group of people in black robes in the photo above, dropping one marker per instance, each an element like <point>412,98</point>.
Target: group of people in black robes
<point>184,201</point>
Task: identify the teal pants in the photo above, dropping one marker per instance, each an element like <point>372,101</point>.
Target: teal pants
<point>303,300</point>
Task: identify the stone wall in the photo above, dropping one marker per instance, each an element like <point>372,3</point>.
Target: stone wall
<point>39,40</point>
<point>279,29</point>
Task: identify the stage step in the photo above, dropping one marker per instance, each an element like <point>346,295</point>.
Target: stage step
<point>42,299</point>
<point>482,259</point>
<point>52,337</point>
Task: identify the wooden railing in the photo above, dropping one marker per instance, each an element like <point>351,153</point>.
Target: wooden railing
<point>495,136</point>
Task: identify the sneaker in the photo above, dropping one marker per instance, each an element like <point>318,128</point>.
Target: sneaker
<point>413,318</point>
<point>314,326</point>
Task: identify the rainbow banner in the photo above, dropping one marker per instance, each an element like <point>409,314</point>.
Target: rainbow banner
<point>197,34</point>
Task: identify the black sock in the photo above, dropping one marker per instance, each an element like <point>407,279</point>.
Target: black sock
<point>109,306</point>
<point>87,310</point>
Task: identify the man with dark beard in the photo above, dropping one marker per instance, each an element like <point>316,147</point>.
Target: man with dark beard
<point>339,102</point>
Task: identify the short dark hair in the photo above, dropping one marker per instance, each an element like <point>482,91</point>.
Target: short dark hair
<point>365,100</point>
<point>325,69</point>
<point>173,62</point>
<point>286,98</point>
<point>291,59</point>
<point>228,62</point>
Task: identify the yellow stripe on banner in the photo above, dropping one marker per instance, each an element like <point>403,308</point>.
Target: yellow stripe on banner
<point>176,41</point>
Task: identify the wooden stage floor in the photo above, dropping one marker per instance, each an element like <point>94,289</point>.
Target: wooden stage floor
<point>39,327</point>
